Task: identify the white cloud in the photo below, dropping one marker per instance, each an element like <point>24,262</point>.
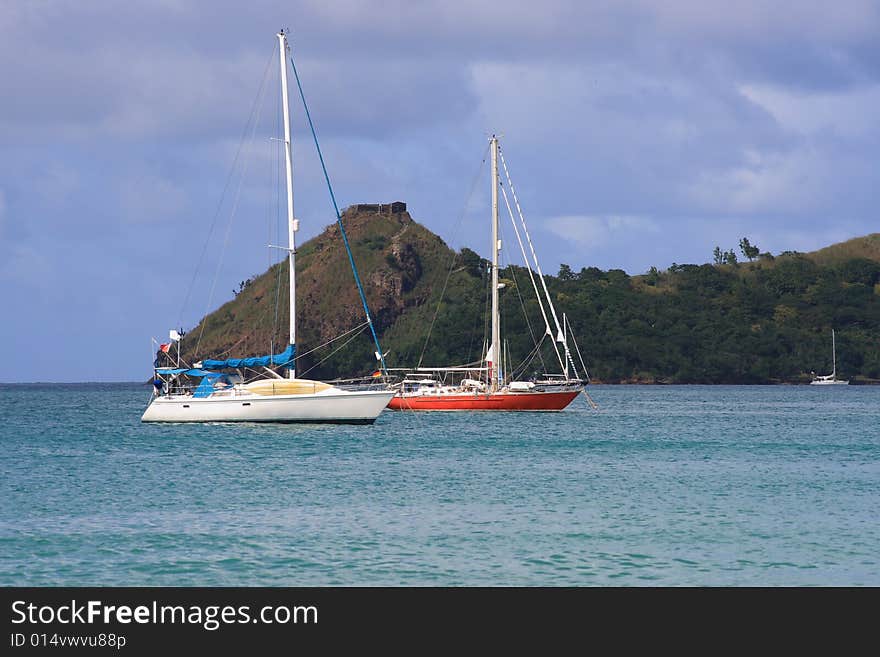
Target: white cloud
<point>768,182</point>
<point>593,232</point>
<point>850,113</point>
<point>628,140</point>
<point>814,19</point>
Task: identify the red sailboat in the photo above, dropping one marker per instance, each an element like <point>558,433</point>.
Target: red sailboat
<point>430,394</point>
<point>484,386</point>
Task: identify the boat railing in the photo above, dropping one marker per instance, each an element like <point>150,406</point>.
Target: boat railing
<point>365,383</point>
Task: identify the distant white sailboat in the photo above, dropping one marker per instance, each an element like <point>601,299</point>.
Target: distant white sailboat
<point>223,394</point>
<point>830,379</point>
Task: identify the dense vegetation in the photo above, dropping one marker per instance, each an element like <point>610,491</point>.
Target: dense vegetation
<point>763,321</point>
<point>768,321</point>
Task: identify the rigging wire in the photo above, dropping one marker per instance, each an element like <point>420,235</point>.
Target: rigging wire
<point>342,346</point>
<point>559,331</point>
<point>359,327</point>
<point>578,349</point>
<point>253,127</point>
<point>531,275</point>
<point>357,279</point>
<point>487,303</point>
<point>477,317</point>
<point>254,109</point>
<point>524,364</point>
<point>226,236</point>
<point>454,255</point>
<point>589,399</point>
<point>265,312</point>
<point>529,240</point>
<point>516,284</point>
<point>525,314</point>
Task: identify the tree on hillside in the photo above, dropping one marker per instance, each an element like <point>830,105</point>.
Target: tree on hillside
<point>718,255</point>
<point>749,251</point>
<point>471,262</point>
<point>729,257</point>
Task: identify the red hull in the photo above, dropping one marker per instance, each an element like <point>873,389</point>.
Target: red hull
<point>499,401</point>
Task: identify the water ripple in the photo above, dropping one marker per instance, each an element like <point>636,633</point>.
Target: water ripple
<point>674,486</point>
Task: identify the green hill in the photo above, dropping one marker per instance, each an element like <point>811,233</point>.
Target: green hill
<point>403,267</point>
<point>753,322</point>
<point>867,247</point>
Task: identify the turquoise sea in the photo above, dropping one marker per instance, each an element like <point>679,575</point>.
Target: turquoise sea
<point>664,486</point>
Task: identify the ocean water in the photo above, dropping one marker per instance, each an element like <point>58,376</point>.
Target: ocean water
<point>664,486</point>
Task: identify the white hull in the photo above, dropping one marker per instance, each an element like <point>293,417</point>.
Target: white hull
<point>223,397</point>
<point>830,379</point>
<point>334,406</point>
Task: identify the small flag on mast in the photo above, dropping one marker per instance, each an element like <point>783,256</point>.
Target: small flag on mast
<point>165,347</point>
<point>174,335</point>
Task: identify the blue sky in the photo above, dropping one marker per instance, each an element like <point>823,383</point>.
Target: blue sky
<point>638,134</point>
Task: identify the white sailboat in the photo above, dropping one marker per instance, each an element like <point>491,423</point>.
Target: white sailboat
<point>223,394</point>
<point>830,379</point>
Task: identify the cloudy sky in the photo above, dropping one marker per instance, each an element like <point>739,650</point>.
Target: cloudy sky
<point>136,144</point>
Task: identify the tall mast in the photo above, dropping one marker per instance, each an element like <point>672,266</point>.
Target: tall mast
<point>496,247</point>
<point>565,343</point>
<point>292,224</point>
<point>833,355</point>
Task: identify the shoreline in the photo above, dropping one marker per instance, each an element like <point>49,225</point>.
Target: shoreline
<point>593,382</point>
<point>852,382</point>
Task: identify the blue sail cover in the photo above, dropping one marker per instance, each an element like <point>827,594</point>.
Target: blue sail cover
<point>277,360</point>
<point>206,387</point>
<point>183,370</point>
